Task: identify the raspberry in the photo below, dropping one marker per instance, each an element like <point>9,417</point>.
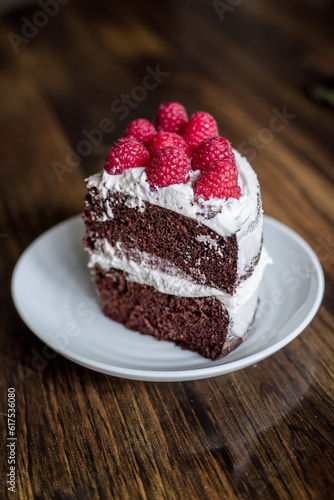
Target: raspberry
<point>163,139</point>
<point>140,129</point>
<point>126,153</point>
<point>169,166</point>
<point>218,181</point>
<point>211,150</point>
<point>200,126</point>
<point>171,117</point>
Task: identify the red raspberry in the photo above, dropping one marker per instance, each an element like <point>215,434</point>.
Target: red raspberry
<point>200,126</point>
<point>218,181</point>
<point>171,117</point>
<point>163,139</point>
<point>211,150</point>
<point>140,129</point>
<point>126,153</point>
<point>169,166</point>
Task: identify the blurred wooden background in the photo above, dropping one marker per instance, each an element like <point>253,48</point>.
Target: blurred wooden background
<point>263,432</point>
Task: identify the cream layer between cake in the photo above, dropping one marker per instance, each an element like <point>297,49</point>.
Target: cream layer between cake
<point>241,305</point>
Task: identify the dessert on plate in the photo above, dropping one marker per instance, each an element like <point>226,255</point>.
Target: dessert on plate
<point>174,232</point>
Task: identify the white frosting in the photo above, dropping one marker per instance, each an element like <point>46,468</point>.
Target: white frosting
<point>173,281</point>
<point>240,319</point>
<point>230,216</point>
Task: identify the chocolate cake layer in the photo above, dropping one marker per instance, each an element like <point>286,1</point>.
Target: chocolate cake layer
<point>167,237</point>
<point>196,324</point>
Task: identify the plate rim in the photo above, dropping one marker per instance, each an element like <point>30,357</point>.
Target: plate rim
<point>184,374</point>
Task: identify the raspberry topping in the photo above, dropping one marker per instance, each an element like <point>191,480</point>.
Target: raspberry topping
<point>169,166</point>
<point>126,153</point>
<point>200,126</point>
<point>163,139</point>
<point>140,129</point>
<point>211,150</point>
<point>171,117</point>
<point>218,181</point>
<point>173,147</point>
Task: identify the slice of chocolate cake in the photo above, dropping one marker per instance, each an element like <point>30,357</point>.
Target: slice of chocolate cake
<point>174,231</point>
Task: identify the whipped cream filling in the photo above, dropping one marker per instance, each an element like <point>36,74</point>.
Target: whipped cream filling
<point>173,282</point>
<point>241,306</point>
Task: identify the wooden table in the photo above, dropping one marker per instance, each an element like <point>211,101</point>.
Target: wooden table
<point>262,432</point>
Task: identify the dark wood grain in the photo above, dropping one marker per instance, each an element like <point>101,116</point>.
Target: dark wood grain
<point>263,432</point>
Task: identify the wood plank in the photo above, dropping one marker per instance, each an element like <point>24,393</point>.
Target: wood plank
<point>262,432</point>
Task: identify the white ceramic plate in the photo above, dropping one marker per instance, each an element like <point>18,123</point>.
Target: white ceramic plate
<point>54,294</point>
